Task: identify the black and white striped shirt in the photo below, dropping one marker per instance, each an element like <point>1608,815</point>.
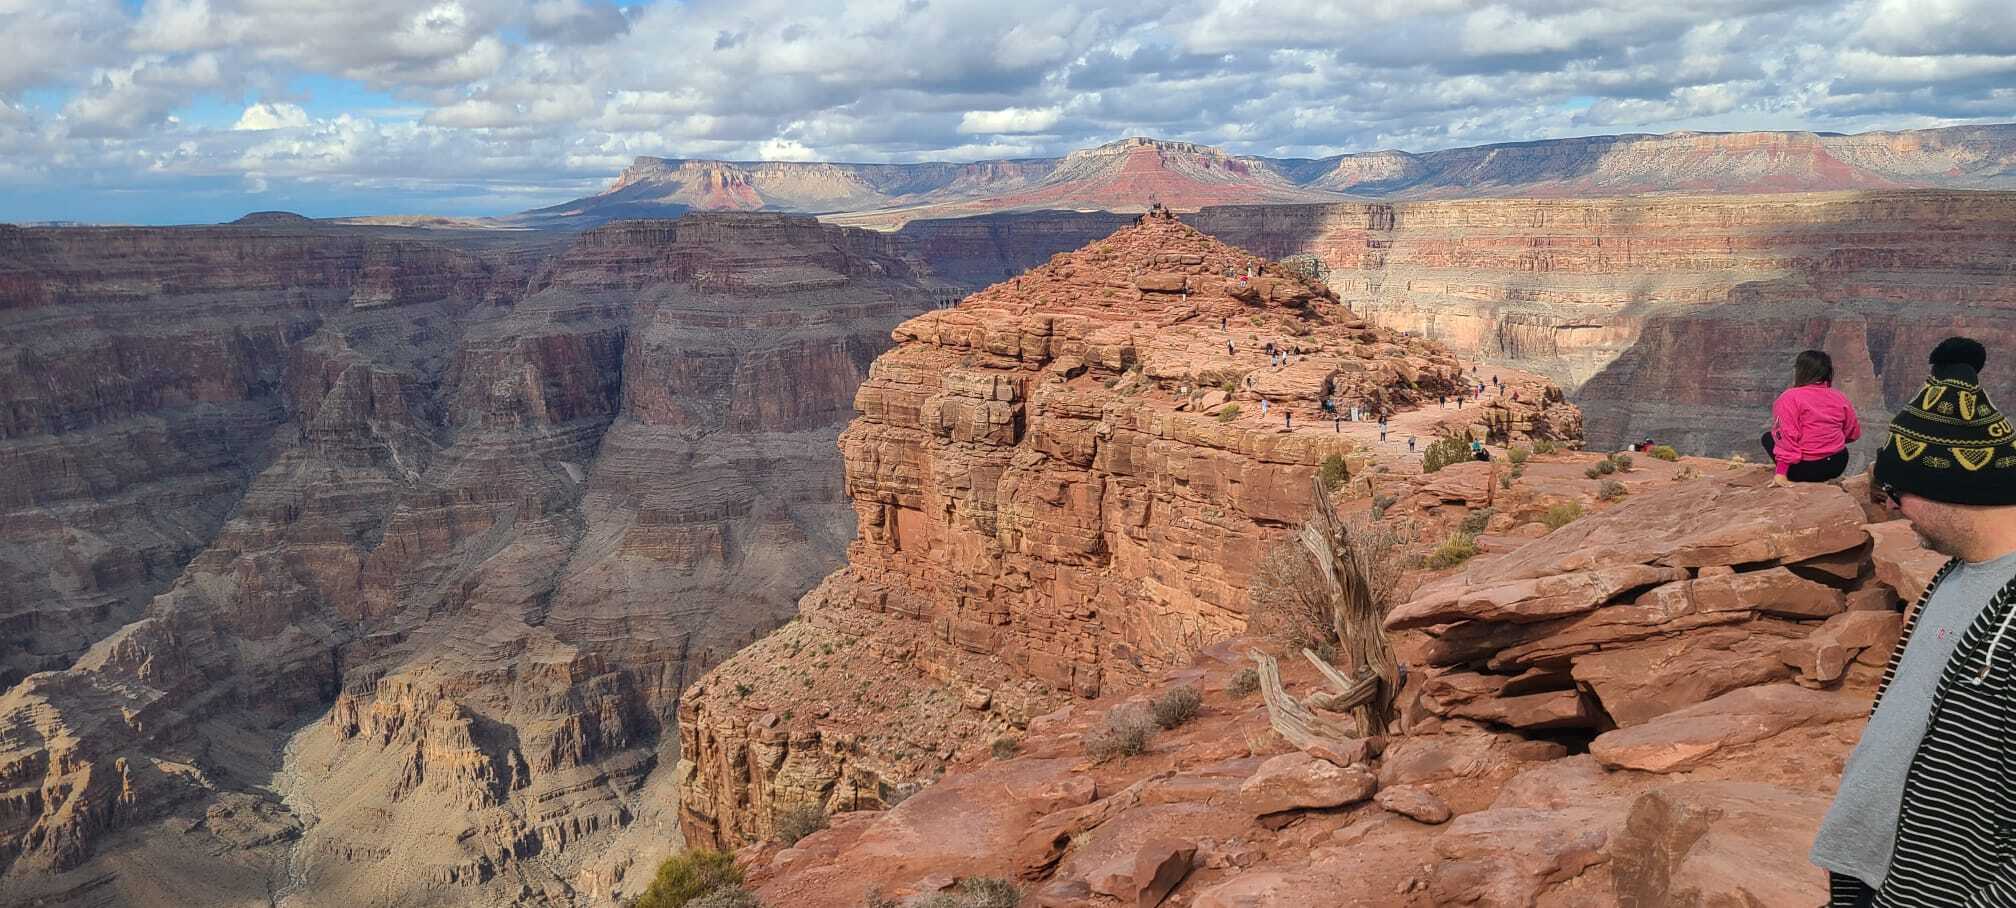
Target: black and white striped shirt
<point>1956,829</point>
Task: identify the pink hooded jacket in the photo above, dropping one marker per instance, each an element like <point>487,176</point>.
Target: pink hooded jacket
<point>1813,422</point>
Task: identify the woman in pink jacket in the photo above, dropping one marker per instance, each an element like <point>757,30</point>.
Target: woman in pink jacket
<point>1811,424</point>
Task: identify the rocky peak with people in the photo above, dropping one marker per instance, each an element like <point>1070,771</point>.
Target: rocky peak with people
<point>1076,652</point>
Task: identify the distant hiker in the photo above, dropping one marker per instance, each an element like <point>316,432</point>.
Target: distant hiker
<point>1924,808</point>
<point>1337,423</point>
<point>1263,406</point>
<point>1494,381</point>
<point>1410,444</point>
<point>1228,346</point>
<point>1382,430</point>
<point>1811,424</point>
<point>1224,323</point>
<point>1443,401</point>
<point>1288,420</point>
<point>1477,451</point>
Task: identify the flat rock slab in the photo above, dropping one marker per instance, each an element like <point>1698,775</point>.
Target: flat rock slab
<point>1701,844</point>
<point>1297,781</point>
<point>1530,599</point>
<point>1687,738</point>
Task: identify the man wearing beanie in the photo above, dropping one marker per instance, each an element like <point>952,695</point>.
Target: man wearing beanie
<point>1926,806</point>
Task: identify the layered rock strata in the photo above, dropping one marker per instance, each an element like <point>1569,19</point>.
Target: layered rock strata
<point>1677,316</point>
<point>1063,486</point>
<point>419,633</point>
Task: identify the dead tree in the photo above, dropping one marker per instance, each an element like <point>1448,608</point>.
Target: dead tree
<point>1349,572</point>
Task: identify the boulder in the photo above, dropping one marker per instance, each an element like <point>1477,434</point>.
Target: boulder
<point>1903,563</point>
<point>1508,856</point>
<point>1687,738</point>
<point>1637,682</point>
<point>1161,282</point>
<point>1532,599</point>
<point>1702,844</point>
<point>1414,803</point>
<point>1159,868</point>
<point>1296,781</point>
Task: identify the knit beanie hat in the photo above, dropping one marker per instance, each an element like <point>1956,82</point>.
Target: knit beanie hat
<point>1950,443</point>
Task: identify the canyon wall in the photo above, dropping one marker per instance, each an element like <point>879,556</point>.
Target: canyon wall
<point>380,557</point>
<point>1064,486</point>
<point>1674,317</point>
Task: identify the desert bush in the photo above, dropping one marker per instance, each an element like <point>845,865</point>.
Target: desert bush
<point>1453,551</point>
<point>1606,467</point>
<point>1593,473</point>
<point>687,876</point>
<point>1664,452</point>
<point>1125,735</point>
<point>1738,459</point>
<point>1176,707</point>
<point>1005,747</point>
<point>1289,600</point>
<point>1611,490</point>
<point>1230,413</point>
<point>800,820</point>
<point>1475,521</point>
<point>1686,472</point>
<point>1335,472</point>
<point>1244,683</point>
<point>1623,462</point>
<point>1545,446</point>
<point>1519,454</point>
<point>1505,481</point>
<point>1561,515</point>
<point>974,892</point>
<point>1443,452</point>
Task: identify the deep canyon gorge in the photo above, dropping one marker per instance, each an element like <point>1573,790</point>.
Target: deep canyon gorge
<point>347,564</point>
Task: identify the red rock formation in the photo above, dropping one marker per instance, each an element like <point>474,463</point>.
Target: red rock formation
<point>492,506</point>
<point>1674,317</point>
<point>1065,480</point>
<point>1708,763</point>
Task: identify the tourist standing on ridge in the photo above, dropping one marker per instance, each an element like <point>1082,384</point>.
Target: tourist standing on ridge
<point>1811,424</point>
<point>1924,807</point>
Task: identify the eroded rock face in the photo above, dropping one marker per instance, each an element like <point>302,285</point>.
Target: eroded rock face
<point>474,511</point>
<point>1673,317</point>
<point>1065,485</point>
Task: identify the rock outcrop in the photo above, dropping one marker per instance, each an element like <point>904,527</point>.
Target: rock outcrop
<point>1064,486</point>
<point>1674,317</point>
<point>1685,763</point>
<point>436,528</point>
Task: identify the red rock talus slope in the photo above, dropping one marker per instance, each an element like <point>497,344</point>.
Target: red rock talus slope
<point>1064,485</point>
<point>1648,706</point>
<point>446,528</point>
<point>1674,317</point>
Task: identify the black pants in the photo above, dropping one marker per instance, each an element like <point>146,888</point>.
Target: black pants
<point>1829,467</point>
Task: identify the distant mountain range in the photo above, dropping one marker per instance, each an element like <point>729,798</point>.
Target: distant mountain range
<point>1129,174</point>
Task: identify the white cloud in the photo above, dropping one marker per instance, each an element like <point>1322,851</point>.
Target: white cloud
<point>1009,121</point>
<point>265,115</point>
<point>785,150</point>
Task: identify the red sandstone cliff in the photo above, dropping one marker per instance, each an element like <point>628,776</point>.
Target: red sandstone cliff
<point>1063,487</point>
<point>473,508</point>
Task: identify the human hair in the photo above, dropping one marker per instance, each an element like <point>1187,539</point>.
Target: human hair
<point>1812,367</point>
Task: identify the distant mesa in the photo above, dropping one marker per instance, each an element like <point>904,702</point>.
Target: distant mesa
<point>272,218</point>
<point>1127,175</point>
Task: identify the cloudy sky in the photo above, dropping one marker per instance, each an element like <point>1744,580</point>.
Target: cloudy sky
<point>170,111</point>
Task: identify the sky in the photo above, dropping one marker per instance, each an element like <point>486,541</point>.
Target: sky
<point>197,111</point>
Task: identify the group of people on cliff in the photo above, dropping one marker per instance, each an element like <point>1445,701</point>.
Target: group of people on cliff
<point>1926,806</point>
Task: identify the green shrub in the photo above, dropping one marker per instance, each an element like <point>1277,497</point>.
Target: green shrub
<point>1475,521</point>
<point>1452,552</point>
<point>1593,473</point>
<point>1611,490</point>
<point>1125,735</point>
<point>1561,515</point>
<point>1519,455</point>
<point>1230,413</point>
<point>1664,452</point>
<point>1623,462</point>
<point>1005,747</point>
<point>689,875</point>
<point>799,821</point>
<point>1443,452</point>
<point>1545,446</point>
<point>1505,481</point>
<point>1335,472</point>
<point>1244,683</point>
<point>1176,707</point>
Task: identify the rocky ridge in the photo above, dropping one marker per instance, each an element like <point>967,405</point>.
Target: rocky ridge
<point>1647,706</point>
<point>1063,487</point>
